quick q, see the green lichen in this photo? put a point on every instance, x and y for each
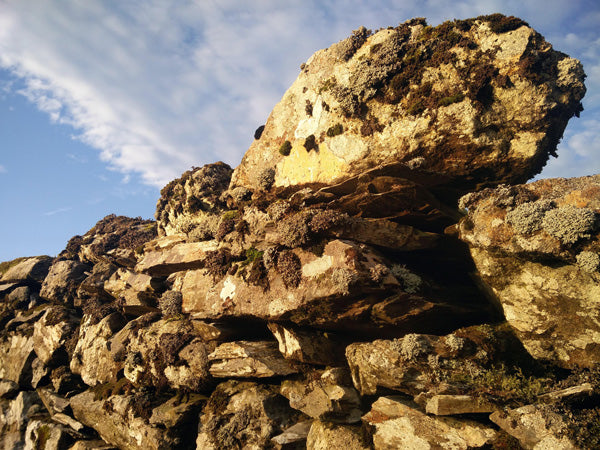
(335, 130)
(457, 98)
(285, 148)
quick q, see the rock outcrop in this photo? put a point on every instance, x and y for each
(329, 291)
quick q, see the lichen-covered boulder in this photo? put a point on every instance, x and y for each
(537, 246)
(243, 414)
(482, 101)
(187, 204)
(114, 238)
(62, 281)
(25, 270)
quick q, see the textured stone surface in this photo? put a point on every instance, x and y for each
(329, 397)
(245, 359)
(16, 356)
(462, 115)
(325, 436)
(62, 281)
(92, 358)
(446, 405)
(547, 296)
(51, 332)
(28, 270)
(398, 425)
(536, 427)
(243, 414)
(118, 425)
(308, 346)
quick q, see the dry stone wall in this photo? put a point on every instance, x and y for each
(332, 290)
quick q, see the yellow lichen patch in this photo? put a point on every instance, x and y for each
(314, 166)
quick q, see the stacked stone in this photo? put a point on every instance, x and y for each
(320, 295)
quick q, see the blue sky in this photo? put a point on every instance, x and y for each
(104, 102)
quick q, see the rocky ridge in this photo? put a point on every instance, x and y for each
(333, 289)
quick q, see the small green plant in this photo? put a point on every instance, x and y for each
(416, 108)
(451, 99)
(335, 130)
(252, 254)
(327, 85)
(285, 148)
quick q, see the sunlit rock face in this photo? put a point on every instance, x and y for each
(537, 247)
(480, 101)
(332, 291)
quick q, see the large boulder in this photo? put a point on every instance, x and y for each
(537, 247)
(481, 101)
(28, 270)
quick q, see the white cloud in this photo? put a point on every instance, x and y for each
(58, 211)
(158, 88)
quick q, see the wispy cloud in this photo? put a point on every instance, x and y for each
(3, 169)
(58, 211)
(158, 88)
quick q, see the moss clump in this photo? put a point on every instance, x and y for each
(588, 261)
(310, 143)
(326, 220)
(290, 268)
(499, 23)
(252, 254)
(217, 263)
(527, 217)
(259, 131)
(226, 224)
(294, 231)
(457, 98)
(569, 223)
(285, 148)
(335, 130)
(170, 303)
(416, 108)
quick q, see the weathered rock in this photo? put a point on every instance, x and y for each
(463, 360)
(197, 192)
(165, 352)
(307, 346)
(446, 405)
(14, 416)
(92, 445)
(294, 435)
(47, 436)
(68, 421)
(103, 240)
(93, 285)
(136, 289)
(119, 424)
(246, 359)
(535, 426)
(92, 358)
(39, 373)
(329, 396)
(54, 403)
(178, 411)
(184, 256)
(243, 414)
(448, 99)
(398, 425)
(50, 334)
(325, 436)
(8, 389)
(527, 242)
(62, 281)
(16, 356)
(25, 270)
(570, 393)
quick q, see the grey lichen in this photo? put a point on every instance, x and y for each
(528, 217)
(378, 273)
(170, 303)
(588, 261)
(569, 223)
(410, 282)
(413, 345)
(343, 278)
(454, 342)
(266, 178)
